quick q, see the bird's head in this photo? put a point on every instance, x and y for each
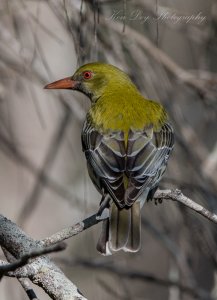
(93, 79)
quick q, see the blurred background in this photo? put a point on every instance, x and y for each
(169, 49)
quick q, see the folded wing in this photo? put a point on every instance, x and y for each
(147, 156)
(141, 163)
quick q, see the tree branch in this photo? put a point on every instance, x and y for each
(41, 271)
(24, 282)
(28, 289)
(73, 230)
(176, 195)
(23, 260)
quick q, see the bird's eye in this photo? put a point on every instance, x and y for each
(87, 74)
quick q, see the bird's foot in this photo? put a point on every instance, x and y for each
(158, 201)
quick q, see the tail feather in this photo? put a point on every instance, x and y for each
(102, 245)
(122, 230)
(134, 238)
(119, 225)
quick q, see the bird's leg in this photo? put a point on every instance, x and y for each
(151, 196)
(103, 196)
(104, 203)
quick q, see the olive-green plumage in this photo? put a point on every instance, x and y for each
(114, 94)
(127, 141)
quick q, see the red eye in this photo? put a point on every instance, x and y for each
(87, 74)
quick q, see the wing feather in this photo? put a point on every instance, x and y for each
(142, 161)
(149, 163)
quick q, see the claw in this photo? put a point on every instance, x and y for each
(158, 201)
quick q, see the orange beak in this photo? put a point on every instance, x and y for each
(66, 83)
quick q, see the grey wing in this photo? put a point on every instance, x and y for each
(105, 156)
(147, 156)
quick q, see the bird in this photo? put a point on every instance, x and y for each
(127, 140)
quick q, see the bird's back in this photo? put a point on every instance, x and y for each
(126, 152)
(123, 109)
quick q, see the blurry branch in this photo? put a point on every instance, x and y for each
(194, 148)
(192, 30)
(27, 288)
(176, 195)
(190, 137)
(13, 153)
(210, 163)
(10, 57)
(111, 291)
(172, 247)
(25, 259)
(14, 62)
(201, 235)
(203, 191)
(41, 270)
(205, 75)
(33, 199)
(137, 275)
(202, 86)
(50, 33)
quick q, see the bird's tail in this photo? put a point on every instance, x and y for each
(121, 231)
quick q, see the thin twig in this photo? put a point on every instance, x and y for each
(24, 282)
(177, 195)
(24, 259)
(73, 230)
(159, 196)
(28, 289)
